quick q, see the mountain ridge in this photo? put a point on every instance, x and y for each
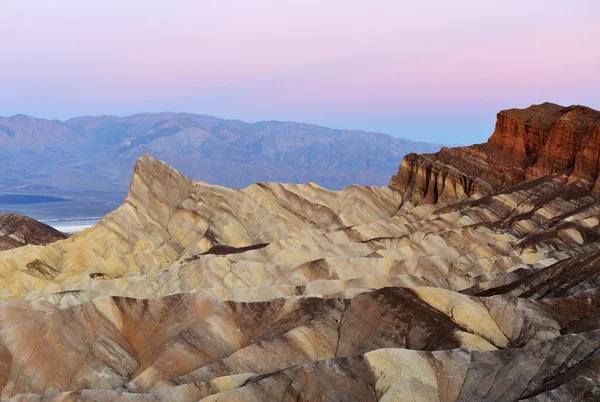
(17, 231)
(90, 159)
(171, 114)
(191, 291)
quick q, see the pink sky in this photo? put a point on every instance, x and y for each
(434, 70)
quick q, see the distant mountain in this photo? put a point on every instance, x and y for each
(91, 158)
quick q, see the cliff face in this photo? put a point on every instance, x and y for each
(527, 144)
(442, 177)
(17, 230)
(549, 139)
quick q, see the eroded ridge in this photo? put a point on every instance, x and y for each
(294, 292)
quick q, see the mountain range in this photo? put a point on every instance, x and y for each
(89, 160)
(474, 275)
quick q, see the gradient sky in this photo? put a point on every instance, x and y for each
(433, 70)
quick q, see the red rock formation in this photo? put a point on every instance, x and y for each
(17, 230)
(527, 143)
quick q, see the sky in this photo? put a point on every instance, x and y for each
(429, 70)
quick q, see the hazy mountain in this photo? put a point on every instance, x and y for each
(91, 158)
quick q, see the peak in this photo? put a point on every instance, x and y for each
(535, 113)
(7, 218)
(156, 172)
(547, 111)
(20, 117)
(524, 132)
(147, 160)
(150, 167)
(157, 188)
(583, 110)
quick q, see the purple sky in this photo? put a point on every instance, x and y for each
(432, 70)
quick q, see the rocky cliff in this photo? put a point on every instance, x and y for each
(17, 231)
(189, 291)
(527, 143)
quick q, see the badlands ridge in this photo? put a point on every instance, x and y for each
(472, 277)
(17, 230)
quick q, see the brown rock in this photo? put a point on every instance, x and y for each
(527, 143)
(17, 230)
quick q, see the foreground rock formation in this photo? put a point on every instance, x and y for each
(17, 231)
(296, 293)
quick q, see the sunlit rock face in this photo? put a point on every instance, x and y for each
(483, 289)
(527, 144)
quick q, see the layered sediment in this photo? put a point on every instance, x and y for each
(17, 230)
(541, 140)
(455, 284)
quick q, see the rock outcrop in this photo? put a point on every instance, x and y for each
(17, 230)
(484, 291)
(527, 144)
